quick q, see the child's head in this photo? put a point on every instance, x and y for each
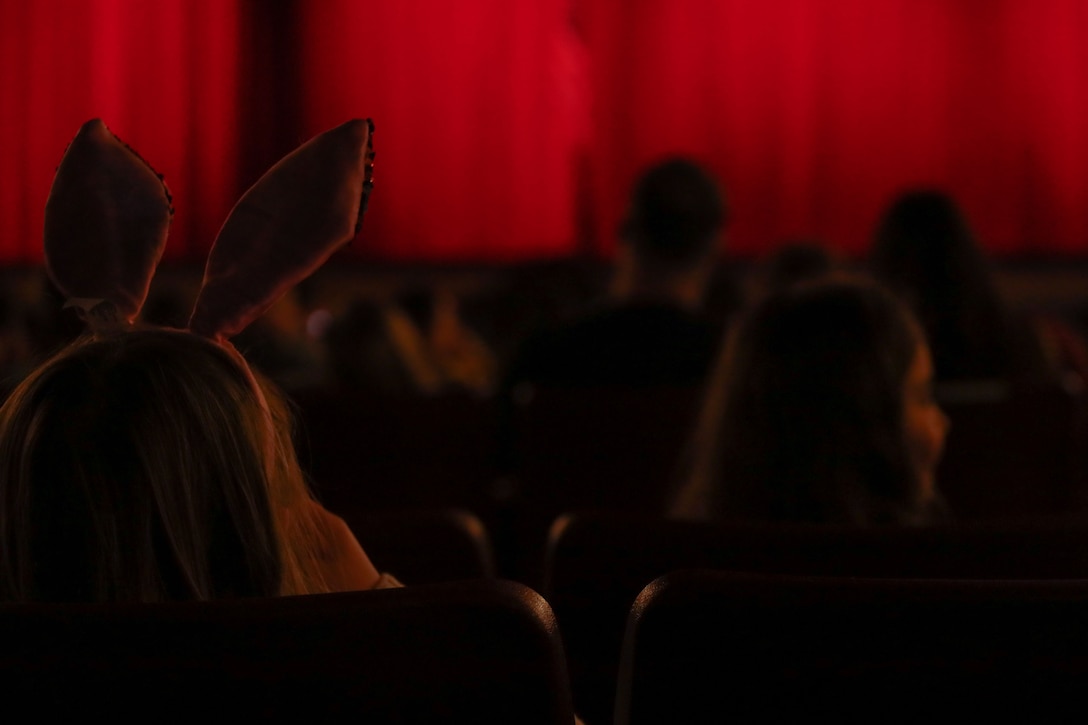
(135, 466)
(821, 410)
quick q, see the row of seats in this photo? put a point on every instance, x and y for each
(1010, 452)
(478, 651)
(697, 646)
(597, 563)
(714, 647)
(1010, 449)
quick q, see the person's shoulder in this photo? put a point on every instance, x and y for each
(630, 344)
(344, 564)
(673, 325)
(636, 320)
(550, 353)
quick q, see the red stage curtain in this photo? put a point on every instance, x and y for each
(510, 130)
(478, 106)
(162, 74)
(815, 113)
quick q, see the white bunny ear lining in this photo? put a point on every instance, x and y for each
(108, 215)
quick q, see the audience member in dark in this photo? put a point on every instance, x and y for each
(925, 252)
(820, 411)
(415, 345)
(147, 464)
(360, 354)
(32, 325)
(792, 263)
(531, 296)
(465, 360)
(649, 330)
(277, 344)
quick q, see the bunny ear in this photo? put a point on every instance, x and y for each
(296, 215)
(106, 222)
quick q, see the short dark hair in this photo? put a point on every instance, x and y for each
(676, 209)
(804, 416)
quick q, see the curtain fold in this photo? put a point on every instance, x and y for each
(477, 106)
(513, 130)
(163, 76)
(815, 113)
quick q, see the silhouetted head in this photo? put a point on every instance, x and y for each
(794, 263)
(676, 214)
(924, 247)
(925, 252)
(819, 411)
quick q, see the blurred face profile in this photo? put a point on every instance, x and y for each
(924, 423)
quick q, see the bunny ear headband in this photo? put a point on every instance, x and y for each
(108, 214)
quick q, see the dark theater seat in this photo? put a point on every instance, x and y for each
(479, 652)
(1014, 451)
(598, 562)
(714, 647)
(397, 452)
(565, 449)
(425, 546)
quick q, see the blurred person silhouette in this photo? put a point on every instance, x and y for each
(278, 344)
(925, 252)
(145, 463)
(361, 355)
(435, 340)
(575, 396)
(792, 263)
(527, 297)
(648, 330)
(32, 326)
(416, 344)
(820, 410)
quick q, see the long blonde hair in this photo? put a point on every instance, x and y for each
(151, 465)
